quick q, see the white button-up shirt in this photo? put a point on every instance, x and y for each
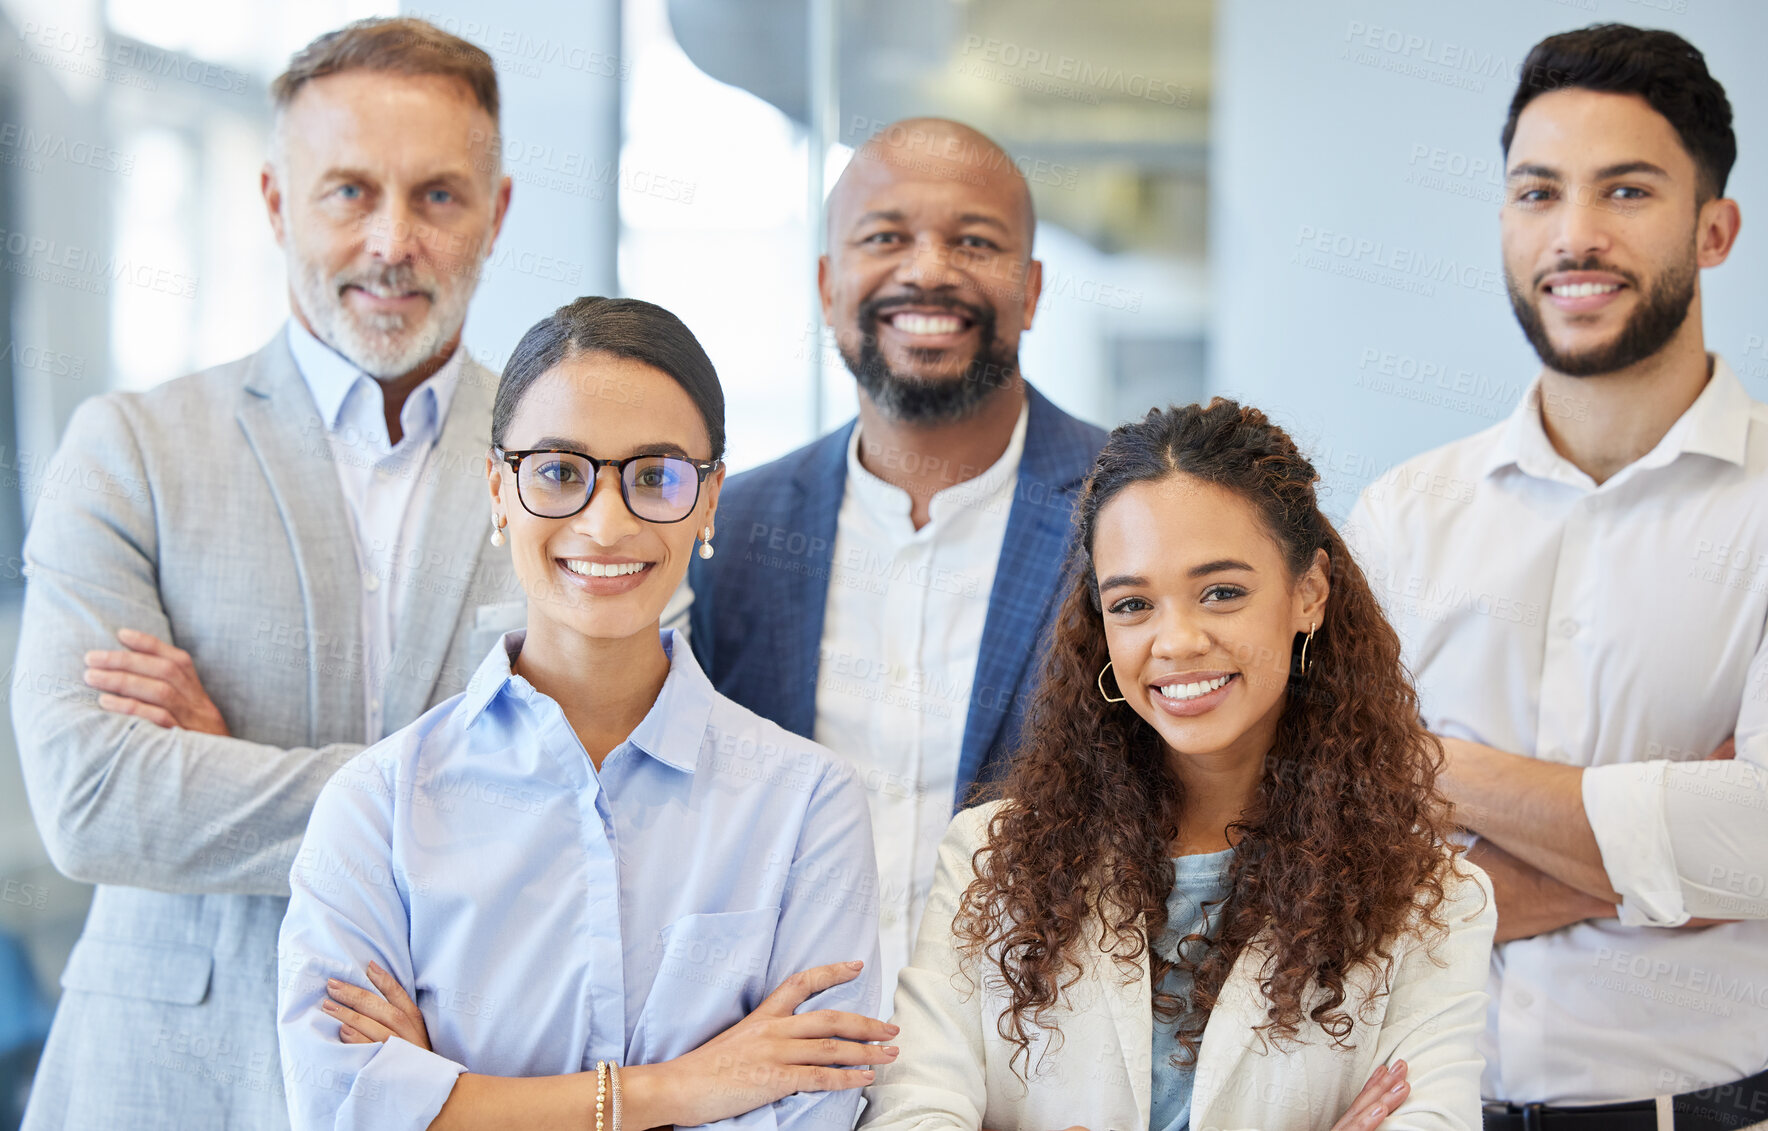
(902, 631)
(1618, 627)
(382, 482)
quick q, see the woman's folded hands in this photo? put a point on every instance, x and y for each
(767, 1056)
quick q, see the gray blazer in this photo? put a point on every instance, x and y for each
(207, 511)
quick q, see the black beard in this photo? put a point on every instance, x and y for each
(1660, 313)
(938, 400)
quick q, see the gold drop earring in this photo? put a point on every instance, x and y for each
(1304, 648)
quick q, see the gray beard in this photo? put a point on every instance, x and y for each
(383, 346)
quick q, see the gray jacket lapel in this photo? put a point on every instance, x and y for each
(283, 427)
(445, 533)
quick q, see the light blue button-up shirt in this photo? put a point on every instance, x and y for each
(550, 916)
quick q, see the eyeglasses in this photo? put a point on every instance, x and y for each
(558, 484)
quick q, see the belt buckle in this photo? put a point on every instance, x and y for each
(1512, 1114)
(1531, 1116)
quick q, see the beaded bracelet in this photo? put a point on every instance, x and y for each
(601, 1091)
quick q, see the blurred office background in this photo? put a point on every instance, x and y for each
(1290, 201)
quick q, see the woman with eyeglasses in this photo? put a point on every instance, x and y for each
(589, 891)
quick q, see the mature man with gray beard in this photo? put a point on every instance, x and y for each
(275, 562)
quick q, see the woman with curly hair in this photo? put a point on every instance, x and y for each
(1215, 890)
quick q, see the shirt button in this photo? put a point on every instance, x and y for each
(1522, 999)
(370, 582)
(1556, 754)
(374, 705)
(1568, 628)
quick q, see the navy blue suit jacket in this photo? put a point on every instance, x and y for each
(757, 617)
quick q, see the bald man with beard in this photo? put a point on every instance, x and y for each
(883, 589)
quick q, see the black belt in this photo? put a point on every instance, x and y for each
(1723, 1107)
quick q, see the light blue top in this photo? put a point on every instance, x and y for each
(549, 916)
(1197, 880)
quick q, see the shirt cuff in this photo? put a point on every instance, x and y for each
(401, 1086)
(1625, 805)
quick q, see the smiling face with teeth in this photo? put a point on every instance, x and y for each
(602, 573)
(1200, 615)
(929, 279)
(1604, 231)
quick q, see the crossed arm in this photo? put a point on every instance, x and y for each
(362, 1058)
(1537, 843)
(767, 1056)
(138, 784)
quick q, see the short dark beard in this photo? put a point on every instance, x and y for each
(938, 400)
(1661, 311)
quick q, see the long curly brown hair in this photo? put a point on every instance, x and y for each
(1342, 846)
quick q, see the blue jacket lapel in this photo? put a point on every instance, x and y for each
(821, 481)
(1059, 452)
(757, 615)
(800, 595)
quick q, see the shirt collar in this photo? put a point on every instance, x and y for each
(1523, 441)
(883, 495)
(672, 731)
(1717, 424)
(330, 377)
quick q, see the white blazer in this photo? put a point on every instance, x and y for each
(953, 1071)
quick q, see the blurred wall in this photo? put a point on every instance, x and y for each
(559, 74)
(1355, 186)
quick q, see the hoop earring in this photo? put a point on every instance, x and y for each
(705, 543)
(1102, 690)
(1303, 666)
(498, 522)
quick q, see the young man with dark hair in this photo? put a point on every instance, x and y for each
(212, 641)
(1587, 621)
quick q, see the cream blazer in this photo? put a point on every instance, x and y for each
(953, 1070)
